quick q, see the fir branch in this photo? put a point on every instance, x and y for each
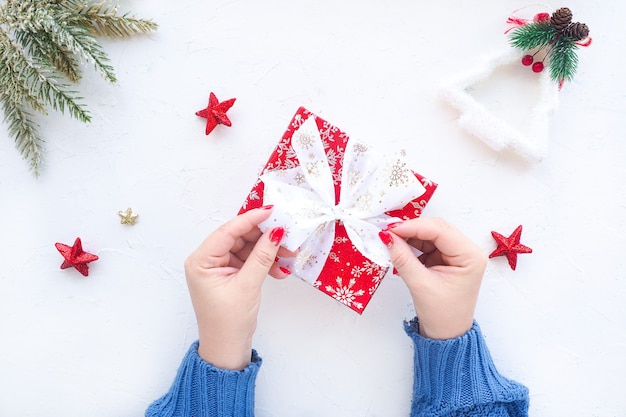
(41, 45)
(62, 27)
(102, 19)
(24, 131)
(14, 88)
(533, 35)
(20, 125)
(40, 80)
(17, 92)
(563, 59)
(64, 30)
(49, 38)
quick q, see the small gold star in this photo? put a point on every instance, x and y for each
(127, 217)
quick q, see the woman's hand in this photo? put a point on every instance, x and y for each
(224, 276)
(444, 281)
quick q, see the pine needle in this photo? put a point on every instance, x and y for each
(41, 45)
(62, 28)
(102, 19)
(563, 59)
(15, 90)
(532, 35)
(24, 131)
(40, 80)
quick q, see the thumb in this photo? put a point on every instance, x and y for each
(257, 266)
(410, 269)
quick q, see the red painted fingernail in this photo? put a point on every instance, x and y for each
(269, 206)
(276, 235)
(394, 224)
(386, 237)
(285, 270)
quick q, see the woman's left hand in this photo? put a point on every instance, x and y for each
(225, 275)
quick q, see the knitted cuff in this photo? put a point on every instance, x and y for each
(204, 390)
(457, 375)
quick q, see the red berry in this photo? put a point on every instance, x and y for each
(538, 67)
(527, 60)
(540, 17)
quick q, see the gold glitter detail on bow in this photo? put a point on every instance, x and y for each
(304, 259)
(360, 148)
(354, 177)
(312, 168)
(127, 217)
(364, 201)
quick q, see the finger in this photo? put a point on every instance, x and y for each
(456, 249)
(222, 240)
(243, 248)
(408, 266)
(286, 253)
(279, 272)
(423, 246)
(261, 259)
(245, 251)
(234, 261)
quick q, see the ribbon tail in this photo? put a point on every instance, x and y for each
(311, 258)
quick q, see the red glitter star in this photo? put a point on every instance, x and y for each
(75, 256)
(509, 246)
(215, 113)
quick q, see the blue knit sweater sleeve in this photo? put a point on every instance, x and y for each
(457, 377)
(203, 390)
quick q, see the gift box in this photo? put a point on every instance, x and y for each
(333, 194)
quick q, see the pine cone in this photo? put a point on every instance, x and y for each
(576, 31)
(561, 18)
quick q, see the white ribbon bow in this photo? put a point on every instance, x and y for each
(304, 200)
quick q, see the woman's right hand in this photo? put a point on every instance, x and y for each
(444, 281)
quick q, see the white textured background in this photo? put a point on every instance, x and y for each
(109, 344)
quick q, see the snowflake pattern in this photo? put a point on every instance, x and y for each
(305, 139)
(345, 294)
(254, 195)
(299, 178)
(335, 161)
(369, 269)
(398, 173)
(354, 176)
(373, 268)
(327, 132)
(364, 200)
(418, 206)
(356, 271)
(359, 148)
